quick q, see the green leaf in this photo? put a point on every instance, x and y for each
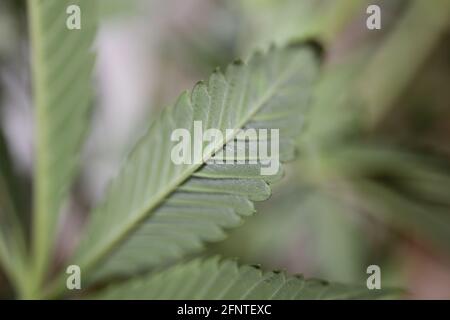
(213, 279)
(282, 21)
(62, 69)
(404, 189)
(156, 211)
(12, 238)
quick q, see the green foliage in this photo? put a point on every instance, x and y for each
(213, 279)
(156, 213)
(62, 68)
(174, 208)
(154, 205)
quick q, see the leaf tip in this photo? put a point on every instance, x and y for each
(311, 43)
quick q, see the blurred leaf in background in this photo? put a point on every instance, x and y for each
(372, 182)
(367, 182)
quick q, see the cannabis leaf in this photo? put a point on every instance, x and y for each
(155, 211)
(214, 279)
(62, 68)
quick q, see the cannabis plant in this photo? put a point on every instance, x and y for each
(144, 239)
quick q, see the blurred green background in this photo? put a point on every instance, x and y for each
(371, 184)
